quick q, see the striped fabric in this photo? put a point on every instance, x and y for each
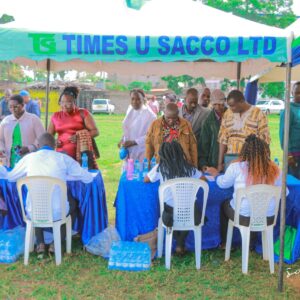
(235, 128)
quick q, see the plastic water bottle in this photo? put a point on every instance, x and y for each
(276, 161)
(84, 161)
(153, 162)
(136, 172)
(145, 167)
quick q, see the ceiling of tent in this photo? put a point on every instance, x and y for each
(156, 18)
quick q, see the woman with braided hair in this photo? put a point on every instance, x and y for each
(173, 164)
(254, 166)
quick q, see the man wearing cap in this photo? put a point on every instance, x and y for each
(193, 112)
(4, 110)
(208, 146)
(31, 106)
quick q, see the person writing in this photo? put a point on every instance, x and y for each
(168, 128)
(47, 162)
(254, 166)
(173, 164)
(135, 125)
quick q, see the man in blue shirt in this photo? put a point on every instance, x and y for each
(31, 106)
(294, 133)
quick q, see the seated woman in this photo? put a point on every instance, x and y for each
(75, 127)
(173, 164)
(254, 166)
(18, 132)
(135, 125)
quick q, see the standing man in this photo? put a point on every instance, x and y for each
(193, 112)
(31, 106)
(4, 109)
(205, 97)
(208, 146)
(238, 122)
(168, 128)
(294, 133)
(153, 104)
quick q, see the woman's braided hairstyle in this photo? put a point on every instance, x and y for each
(173, 162)
(256, 152)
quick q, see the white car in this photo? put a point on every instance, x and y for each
(102, 106)
(270, 106)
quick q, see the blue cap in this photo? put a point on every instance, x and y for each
(123, 153)
(24, 93)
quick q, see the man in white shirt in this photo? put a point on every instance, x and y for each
(47, 162)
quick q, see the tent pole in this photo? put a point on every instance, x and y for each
(238, 75)
(47, 93)
(284, 173)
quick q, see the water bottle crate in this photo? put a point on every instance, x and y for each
(129, 256)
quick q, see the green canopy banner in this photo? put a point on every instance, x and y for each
(109, 48)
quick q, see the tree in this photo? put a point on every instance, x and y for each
(136, 4)
(274, 13)
(146, 86)
(10, 71)
(273, 90)
(173, 82)
(6, 19)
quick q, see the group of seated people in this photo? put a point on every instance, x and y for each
(197, 139)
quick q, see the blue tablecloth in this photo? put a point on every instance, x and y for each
(92, 205)
(137, 210)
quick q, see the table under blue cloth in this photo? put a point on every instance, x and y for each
(92, 206)
(137, 210)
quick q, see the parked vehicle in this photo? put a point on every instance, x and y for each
(102, 106)
(270, 106)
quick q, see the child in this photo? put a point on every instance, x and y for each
(173, 164)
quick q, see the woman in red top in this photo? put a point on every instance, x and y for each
(69, 121)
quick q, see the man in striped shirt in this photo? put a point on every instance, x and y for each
(241, 120)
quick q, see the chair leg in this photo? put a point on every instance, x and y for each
(32, 240)
(245, 233)
(269, 234)
(265, 245)
(160, 238)
(198, 239)
(228, 240)
(57, 243)
(28, 237)
(168, 248)
(69, 235)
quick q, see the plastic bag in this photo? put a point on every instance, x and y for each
(100, 244)
(11, 244)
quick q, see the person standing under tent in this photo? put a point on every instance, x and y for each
(294, 133)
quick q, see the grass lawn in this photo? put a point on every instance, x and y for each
(82, 275)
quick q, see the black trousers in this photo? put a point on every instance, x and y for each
(167, 218)
(227, 212)
(74, 211)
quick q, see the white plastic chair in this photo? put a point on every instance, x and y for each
(259, 197)
(40, 190)
(184, 192)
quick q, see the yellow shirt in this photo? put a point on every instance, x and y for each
(235, 128)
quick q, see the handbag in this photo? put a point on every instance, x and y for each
(95, 147)
(151, 239)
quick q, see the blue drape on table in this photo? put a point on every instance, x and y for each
(137, 211)
(92, 205)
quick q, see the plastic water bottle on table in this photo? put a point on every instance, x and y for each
(153, 162)
(84, 161)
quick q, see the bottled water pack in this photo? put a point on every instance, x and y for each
(129, 256)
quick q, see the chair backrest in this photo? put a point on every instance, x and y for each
(184, 193)
(259, 197)
(40, 190)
